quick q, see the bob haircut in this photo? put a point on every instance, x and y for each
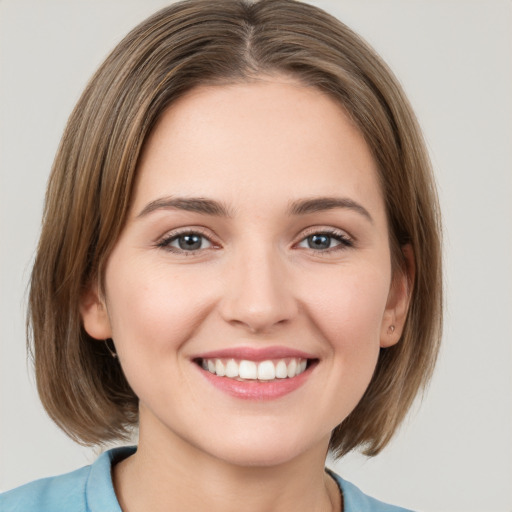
(200, 42)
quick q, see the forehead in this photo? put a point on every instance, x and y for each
(267, 140)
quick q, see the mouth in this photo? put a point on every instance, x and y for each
(256, 373)
(268, 370)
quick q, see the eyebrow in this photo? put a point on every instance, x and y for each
(192, 204)
(318, 204)
(215, 208)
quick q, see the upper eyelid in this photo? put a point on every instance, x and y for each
(206, 233)
(164, 240)
(199, 230)
(325, 230)
(346, 241)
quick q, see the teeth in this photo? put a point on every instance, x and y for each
(219, 368)
(231, 369)
(251, 370)
(281, 370)
(266, 370)
(292, 368)
(248, 370)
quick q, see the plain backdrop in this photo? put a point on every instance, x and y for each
(454, 453)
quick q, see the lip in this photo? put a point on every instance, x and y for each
(255, 354)
(252, 389)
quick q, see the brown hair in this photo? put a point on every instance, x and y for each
(89, 191)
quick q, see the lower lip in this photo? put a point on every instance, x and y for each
(257, 390)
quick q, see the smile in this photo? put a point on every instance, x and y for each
(256, 373)
(267, 370)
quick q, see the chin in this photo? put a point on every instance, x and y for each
(267, 449)
(263, 458)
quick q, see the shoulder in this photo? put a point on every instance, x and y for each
(355, 500)
(88, 489)
(64, 492)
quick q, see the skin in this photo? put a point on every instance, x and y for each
(255, 282)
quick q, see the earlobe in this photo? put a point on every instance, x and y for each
(94, 314)
(398, 300)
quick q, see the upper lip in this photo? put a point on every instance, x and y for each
(255, 354)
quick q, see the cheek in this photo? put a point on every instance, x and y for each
(153, 306)
(348, 310)
(154, 310)
(349, 319)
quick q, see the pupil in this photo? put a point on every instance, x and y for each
(189, 242)
(319, 241)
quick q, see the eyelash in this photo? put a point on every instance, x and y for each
(165, 242)
(345, 241)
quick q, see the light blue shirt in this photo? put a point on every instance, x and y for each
(90, 489)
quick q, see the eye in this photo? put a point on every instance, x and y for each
(325, 241)
(185, 242)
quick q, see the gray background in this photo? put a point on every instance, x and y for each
(454, 453)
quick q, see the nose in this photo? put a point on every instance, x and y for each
(258, 293)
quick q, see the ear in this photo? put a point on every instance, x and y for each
(399, 298)
(94, 314)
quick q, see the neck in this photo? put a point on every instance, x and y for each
(167, 473)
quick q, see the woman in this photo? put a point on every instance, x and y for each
(240, 257)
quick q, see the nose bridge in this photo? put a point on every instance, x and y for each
(258, 294)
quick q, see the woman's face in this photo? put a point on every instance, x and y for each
(256, 244)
